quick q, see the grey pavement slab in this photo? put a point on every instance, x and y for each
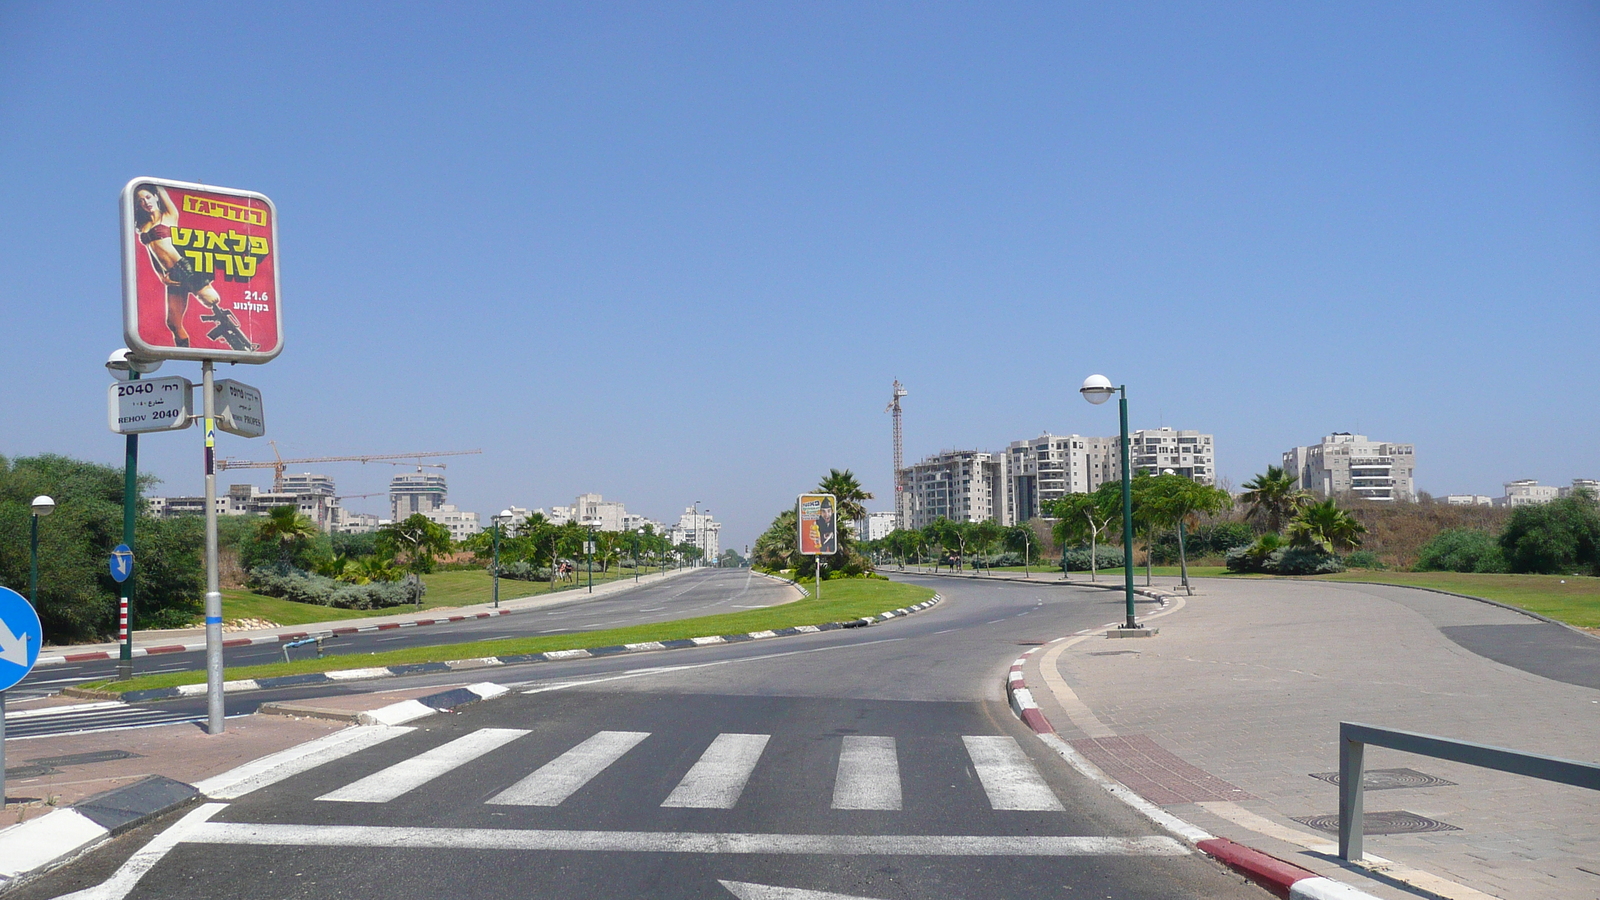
(1249, 680)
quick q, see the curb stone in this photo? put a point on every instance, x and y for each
(41, 844)
(344, 675)
(1282, 878)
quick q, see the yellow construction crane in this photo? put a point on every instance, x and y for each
(279, 464)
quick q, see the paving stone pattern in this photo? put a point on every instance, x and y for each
(1250, 681)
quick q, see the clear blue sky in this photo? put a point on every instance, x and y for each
(678, 252)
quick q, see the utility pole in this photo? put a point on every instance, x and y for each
(899, 459)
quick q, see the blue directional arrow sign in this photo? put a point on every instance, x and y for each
(121, 563)
(20, 637)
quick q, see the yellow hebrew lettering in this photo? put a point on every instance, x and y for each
(258, 246)
(216, 240)
(226, 259)
(181, 236)
(196, 260)
(239, 241)
(246, 265)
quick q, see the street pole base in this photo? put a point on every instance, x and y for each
(124, 669)
(1138, 631)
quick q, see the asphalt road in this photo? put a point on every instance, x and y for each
(700, 593)
(878, 763)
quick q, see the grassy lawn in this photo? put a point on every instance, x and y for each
(844, 599)
(1576, 602)
(445, 589)
(1194, 571)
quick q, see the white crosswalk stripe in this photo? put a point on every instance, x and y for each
(563, 776)
(719, 777)
(1007, 775)
(417, 771)
(869, 774)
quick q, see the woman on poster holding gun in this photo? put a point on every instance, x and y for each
(154, 216)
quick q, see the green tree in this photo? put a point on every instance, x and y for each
(1081, 517)
(1272, 498)
(1020, 538)
(1461, 550)
(1556, 538)
(984, 535)
(289, 533)
(417, 539)
(776, 549)
(1173, 500)
(847, 492)
(1326, 527)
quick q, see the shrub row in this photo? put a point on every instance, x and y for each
(304, 587)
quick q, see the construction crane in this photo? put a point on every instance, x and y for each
(899, 461)
(278, 464)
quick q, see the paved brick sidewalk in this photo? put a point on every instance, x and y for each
(1227, 714)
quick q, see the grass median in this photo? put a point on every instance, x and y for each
(842, 601)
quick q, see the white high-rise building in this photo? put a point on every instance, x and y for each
(415, 492)
(874, 527)
(698, 529)
(1346, 463)
(593, 510)
(1050, 466)
(960, 485)
(462, 524)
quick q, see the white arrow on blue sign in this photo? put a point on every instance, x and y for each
(121, 563)
(20, 637)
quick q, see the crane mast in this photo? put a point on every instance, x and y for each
(899, 460)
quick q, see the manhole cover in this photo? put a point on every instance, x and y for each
(84, 759)
(1393, 822)
(1115, 653)
(29, 772)
(1389, 779)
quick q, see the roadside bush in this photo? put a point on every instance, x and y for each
(1363, 559)
(1268, 555)
(1076, 559)
(1461, 550)
(1205, 541)
(317, 590)
(1556, 538)
(522, 570)
(999, 560)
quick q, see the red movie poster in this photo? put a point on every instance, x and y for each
(200, 272)
(819, 528)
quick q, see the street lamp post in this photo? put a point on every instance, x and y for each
(42, 506)
(1097, 389)
(588, 552)
(504, 515)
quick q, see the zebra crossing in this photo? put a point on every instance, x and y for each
(85, 718)
(867, 771)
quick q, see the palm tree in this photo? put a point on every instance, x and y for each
(1327, 527)
(847, 491)
(1273, 497)
(286, 527)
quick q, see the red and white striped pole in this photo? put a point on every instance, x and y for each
(122, 619)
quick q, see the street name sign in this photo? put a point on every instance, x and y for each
(121, 563)
(239, 409)
(150, 404)
(20, 637)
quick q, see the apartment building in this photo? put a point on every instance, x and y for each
(698, 529)
(875, 526)
(1049, 466)
(960, 485)
(462, 524)
(415, 492)
(1346, 463)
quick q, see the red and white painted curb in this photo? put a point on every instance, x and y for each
(277, 638)
(1285, 879)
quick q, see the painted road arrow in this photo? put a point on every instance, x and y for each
(744, 890)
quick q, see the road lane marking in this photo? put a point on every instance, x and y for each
(561, 777)
(410, 774)
(479, 839)
(869, 774)
(269, 770)
(1008, 776)
(125, 878)
(668, 670)
(719, 777)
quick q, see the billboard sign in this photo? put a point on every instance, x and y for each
(819, 525)
(200, 272)
(150, 404)
(239, 408)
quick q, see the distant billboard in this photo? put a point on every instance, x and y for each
(200, 272)
(819, 525)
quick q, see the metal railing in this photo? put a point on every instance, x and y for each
(1353, 741)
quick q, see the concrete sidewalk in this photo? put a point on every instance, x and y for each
(177, 640)
(1229, 716)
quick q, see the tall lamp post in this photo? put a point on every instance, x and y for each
(1097, 389)
(505, 515)
(42, 506)
(588, 550)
